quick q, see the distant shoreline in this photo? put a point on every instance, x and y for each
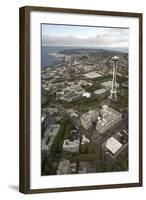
(57, 55)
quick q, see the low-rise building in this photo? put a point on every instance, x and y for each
(50, 110)
(89, 67)
(71, 96)
(49, 136)
(44, 122)
(86, 94)
(108, 84)
(100, 91)
(64, 167)
(113, 145)
(92, 75)
(72, 143)
(70, 93)
(71, 146)
(84, 140)
(48, 139)
(84, 82)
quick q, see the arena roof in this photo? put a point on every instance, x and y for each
(92, 75)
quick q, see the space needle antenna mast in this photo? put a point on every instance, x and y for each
(113, 92)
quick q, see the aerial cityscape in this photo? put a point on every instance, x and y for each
(84, 99)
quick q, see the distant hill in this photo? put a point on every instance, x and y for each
(88, 51)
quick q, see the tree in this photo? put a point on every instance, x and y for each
(87, 157)
(108, 167)
(64, 132)
(121, 79)
(99, 168)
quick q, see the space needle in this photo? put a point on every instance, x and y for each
(113, 92)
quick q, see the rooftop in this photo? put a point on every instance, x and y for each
(43, 116)
(108, 115)
(49, 136)
(84, 140)
(90, 114)
(100, 91)
(92, 75)
(71, 144)
(63, 167)
(86, 94)
(113, 145)
(115, 58)
(71, 95)
(50, 109)
(109, 84)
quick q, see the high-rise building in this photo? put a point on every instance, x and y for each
(88, 118)
(109, 117)
(113, 92)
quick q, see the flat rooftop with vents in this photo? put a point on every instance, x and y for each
(113, 145)
(109, 117)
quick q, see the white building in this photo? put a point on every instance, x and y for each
(71, 146)
(109, 117)
(92, 75)
(71, 96)
(73, 87)
(86, 94)
(88, 118)
(84, 140)
(113, 145)
(100, 91)
(71, 93)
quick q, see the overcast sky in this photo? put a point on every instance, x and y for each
(63, 35)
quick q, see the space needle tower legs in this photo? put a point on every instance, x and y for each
(113, 92)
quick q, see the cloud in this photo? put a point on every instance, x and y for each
(110, 38)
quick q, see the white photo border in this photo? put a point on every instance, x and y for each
(132, 176)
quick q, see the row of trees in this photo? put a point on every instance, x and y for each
(86, 103)
(113, 167)
(64, 132)
(88, 152)
(78, 157)
(49, 167)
